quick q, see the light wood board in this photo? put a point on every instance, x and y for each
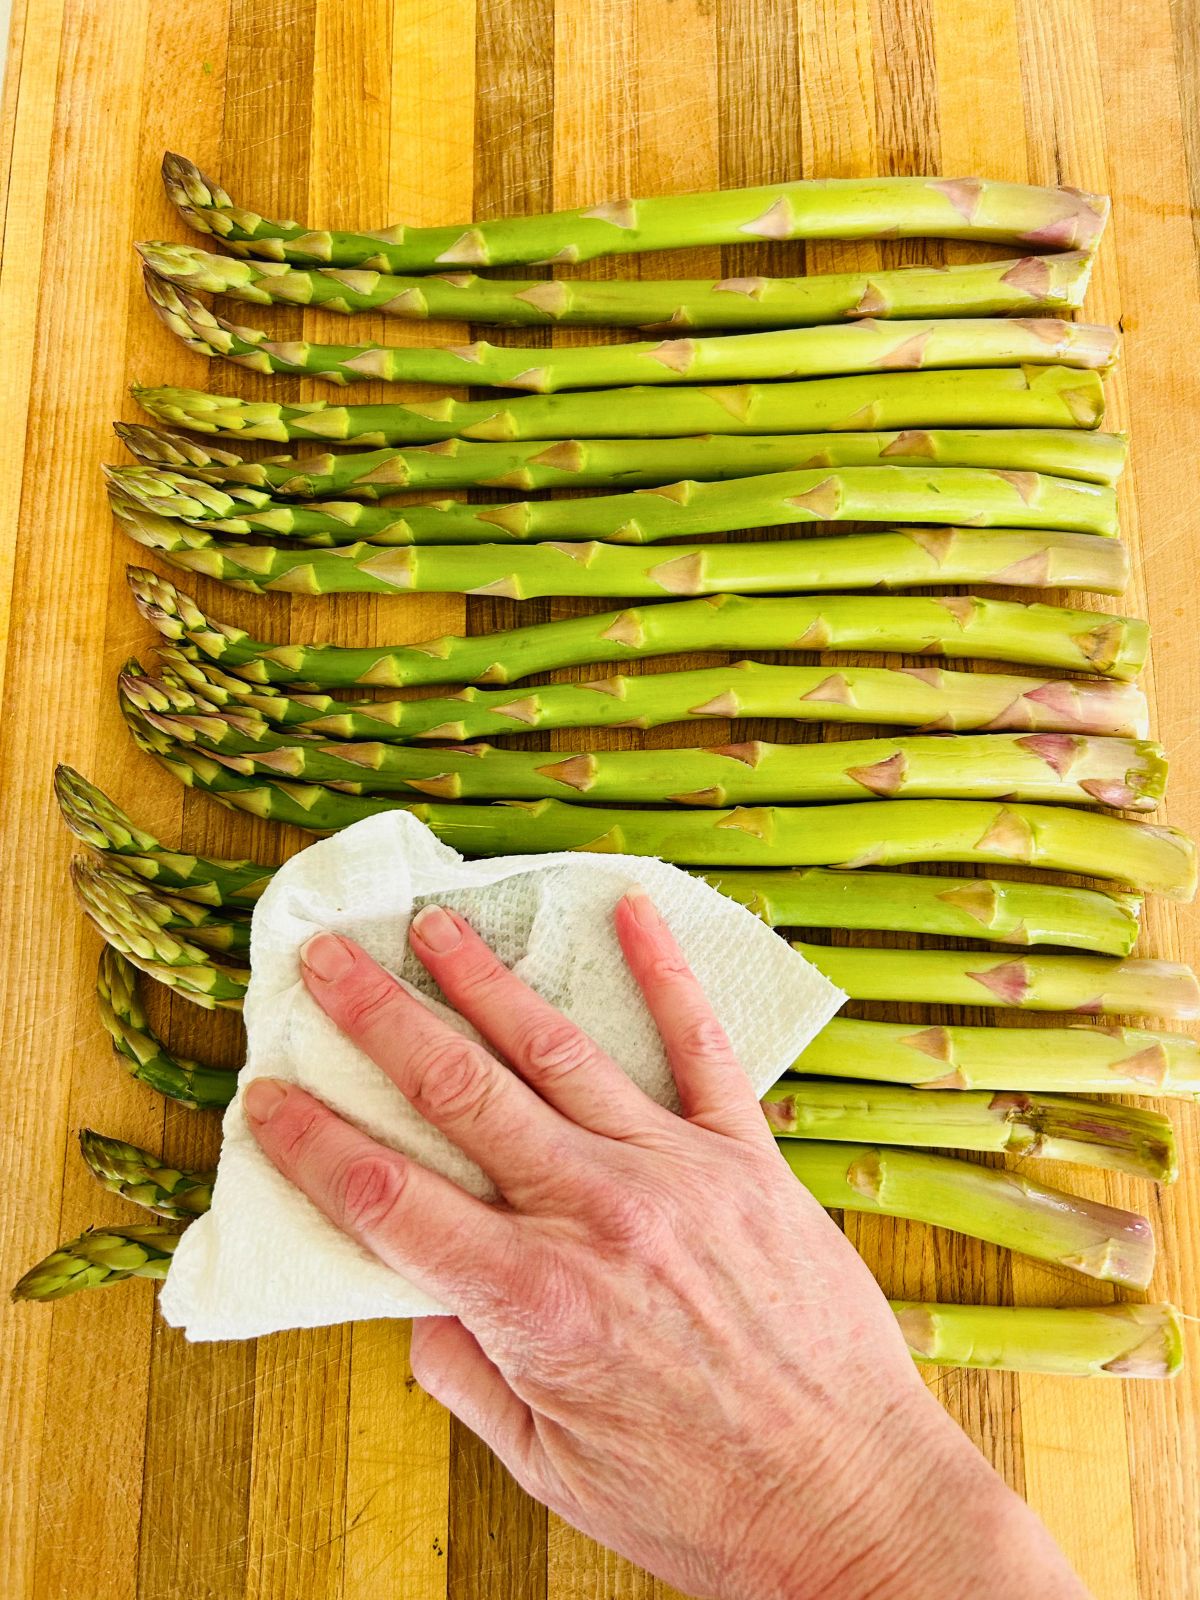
(137, 1468)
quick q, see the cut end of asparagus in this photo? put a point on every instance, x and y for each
(1128, 1341)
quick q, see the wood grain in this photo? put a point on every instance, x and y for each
(142, 1468)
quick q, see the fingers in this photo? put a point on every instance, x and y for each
(449, 1364)
(551, 1053)
(713, 1089)
(520, 1142)
(445, 1241)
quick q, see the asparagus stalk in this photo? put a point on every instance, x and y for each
(1074, 1060)
(1002, 1208)
(981, 496)
(840, 208)
(137, 1175)
(1017, 913)
(1106, 921)
(994, 397)
(1123, 1340)
(1033, 284)
(1139, 854)
(829, 351)
(126, 920)
(142, 1053)
(194, 923)
(1064, 767)
(1096, 985)
(895, 696)
(966, 626)
(628, 463)
(97, 1258)
(1054, 1127)
(896, 559)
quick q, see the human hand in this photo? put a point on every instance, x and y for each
(656, 1327)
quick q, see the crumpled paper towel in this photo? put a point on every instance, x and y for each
(264, 1258)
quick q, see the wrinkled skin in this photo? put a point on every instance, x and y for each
(656, 1327)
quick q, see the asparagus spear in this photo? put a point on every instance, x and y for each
(93, 818)
(1003, 1208)
(1057, 1128)
(1123, 1340)
(1074, 1060)
(142, 1053)
(839, 208)
(963, 908)
(1017, 913)
(137, 1175)
(894, 696)
(1034, 285)
(628, 463)
(126, 921)
(895, 559)
(832, 351)
(965, 626)
(1064, 767)
(1096, 985)
(97, 1258)
(1139, 854)
(982, 497)
(175, 915)
(994, 397)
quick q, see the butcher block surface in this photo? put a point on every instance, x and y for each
(308, 1466)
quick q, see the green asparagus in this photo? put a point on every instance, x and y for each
(142, 1053)
(1003, 1208)
(1096, 985)
(1106, 921)
(830, 351)
(1013, 913)
(1122, 1341)
(1056, 1128)
(136, 1175)
(984, 498)
(1074, 1060)
(97, 1258)
(966, 626)
(1062, 767)
(628, 463)
(896, 559)
(1141, 855)
(837, 208)
(1033, 284)
(993, 397)
(126, 921)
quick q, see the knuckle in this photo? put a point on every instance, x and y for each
(298, 1133)
(369, 1003)
(451, 1082)
(703, 1036)
(555, 1050)
(369, 1189)
(667, 967)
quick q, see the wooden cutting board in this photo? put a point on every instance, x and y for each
(309, 1465)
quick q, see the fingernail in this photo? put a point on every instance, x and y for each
(436, 929)
(642, 908)
(327, 956)
(263, 1099)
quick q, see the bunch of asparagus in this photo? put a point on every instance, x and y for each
(955, 410)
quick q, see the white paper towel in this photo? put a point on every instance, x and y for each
(264, 1258)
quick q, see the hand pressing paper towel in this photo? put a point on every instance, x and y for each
(264, 1258)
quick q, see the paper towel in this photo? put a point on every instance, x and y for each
(264, 1258)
